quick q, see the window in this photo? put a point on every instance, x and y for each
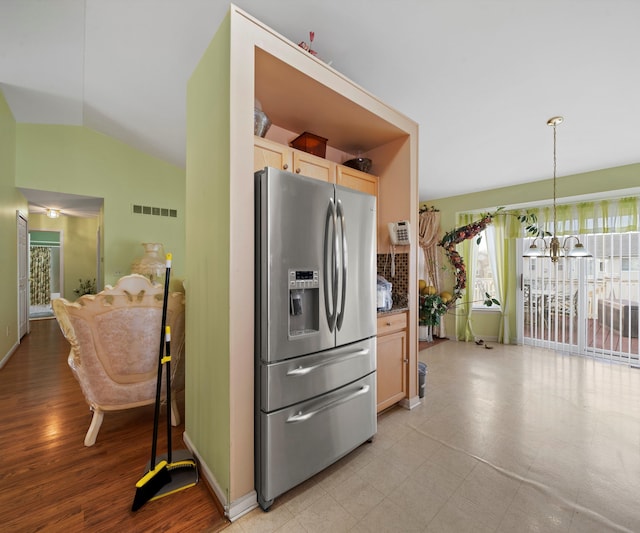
(630, 264)
(483, 279)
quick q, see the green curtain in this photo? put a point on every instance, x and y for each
(598, 216)
(40, 277)
(625, 215)
(506, 229)
(464, 327)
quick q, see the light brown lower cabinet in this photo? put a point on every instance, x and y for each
(392, 360)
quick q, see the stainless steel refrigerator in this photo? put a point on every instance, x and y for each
(315, 327)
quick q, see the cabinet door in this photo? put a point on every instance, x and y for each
(391, 375)
(355, 179)
(313, 166)
(270, 154)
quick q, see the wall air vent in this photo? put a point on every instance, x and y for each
(154, 211)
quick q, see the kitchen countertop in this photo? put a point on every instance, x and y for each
(394, 310)
(400, 305)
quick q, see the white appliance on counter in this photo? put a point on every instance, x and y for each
(384, 297)
(315, 324)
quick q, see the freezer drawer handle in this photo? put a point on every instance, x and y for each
(304, 370)
(302, 417)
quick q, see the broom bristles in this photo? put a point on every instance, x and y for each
(150, 484)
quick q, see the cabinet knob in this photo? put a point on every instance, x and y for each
(388, 323)
(297, 171)
(406, 360)
(285, 166)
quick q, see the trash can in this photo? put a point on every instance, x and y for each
(422, 378)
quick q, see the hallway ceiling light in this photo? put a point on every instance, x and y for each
(53, 213)
(554, 250)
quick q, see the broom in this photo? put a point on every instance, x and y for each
(158, 474)
(182, 467)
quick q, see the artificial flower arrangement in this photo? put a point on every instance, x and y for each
(306, 46)
(431, 305)
(431, 308)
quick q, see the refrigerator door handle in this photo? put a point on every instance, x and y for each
(304, 370)
(303, 417)
(330, 246)
(343, 278)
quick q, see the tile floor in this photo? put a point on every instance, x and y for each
(512, 439)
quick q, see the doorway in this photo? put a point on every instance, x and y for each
(586, 306)
(23, 274)
(45, 271)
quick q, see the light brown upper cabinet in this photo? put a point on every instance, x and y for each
(313, 166)
(355, 179)
(271, 154)
(268, 153)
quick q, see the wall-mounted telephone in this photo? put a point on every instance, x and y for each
(400, 233)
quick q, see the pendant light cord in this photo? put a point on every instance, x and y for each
(555, 249)
(555, 220)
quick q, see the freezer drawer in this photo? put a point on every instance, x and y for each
(295, 380)
(300, 441)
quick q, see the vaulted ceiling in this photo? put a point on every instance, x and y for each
(481, 77)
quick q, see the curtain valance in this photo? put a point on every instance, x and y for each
(598, 216)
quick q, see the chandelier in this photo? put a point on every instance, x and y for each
(554, 249)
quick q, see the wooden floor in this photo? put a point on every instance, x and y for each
(49, 481)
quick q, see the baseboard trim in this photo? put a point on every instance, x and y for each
(232, 510)
(9, 354)
(410, 403)
(243, 505)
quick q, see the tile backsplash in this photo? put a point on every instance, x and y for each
(400, 282)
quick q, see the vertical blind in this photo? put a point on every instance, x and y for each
(588, 306)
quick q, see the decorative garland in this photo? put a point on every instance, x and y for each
(455, 237)
(458, 235)
(432, 306)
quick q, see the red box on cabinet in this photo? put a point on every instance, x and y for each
(310, 143)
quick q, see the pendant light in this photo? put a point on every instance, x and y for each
(554, 250)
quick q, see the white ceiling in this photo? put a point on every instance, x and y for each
(73, 205)
(481, 77)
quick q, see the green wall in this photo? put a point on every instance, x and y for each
(207, 398)
(11, 201)
(79, 241)
(77, 160)
(597, 182)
